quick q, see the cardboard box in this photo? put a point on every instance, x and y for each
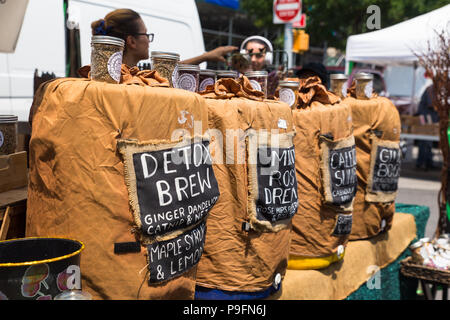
(13, 171)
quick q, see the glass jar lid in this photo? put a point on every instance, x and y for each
(288, 83)
(363, 76)
(108, 40)
(416, 245)
(165, 55)
(256, 74)
(338, 76)
(8, 118)
(188, 67)
(226, 73)
(207, 72)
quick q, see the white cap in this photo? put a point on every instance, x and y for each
(340, 251)
(277, 280)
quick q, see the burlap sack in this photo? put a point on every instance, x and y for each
(314, 232)
(376, 122)
(76, 181)
(235, 258)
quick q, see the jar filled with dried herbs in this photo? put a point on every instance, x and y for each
(288, 92)
(339, 84)
(364, 85)
(207, 77)
(8, 134)
(258, 80)
(188, 77)
(106, 58)
(166, 63)
(221, 74)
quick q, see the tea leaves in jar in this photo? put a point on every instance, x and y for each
(166, 64)
(364, 86)
(8, 134)
(258, 80)
(106, 58)
(339, 85)
(188, 77)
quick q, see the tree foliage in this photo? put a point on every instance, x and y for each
(333, 21)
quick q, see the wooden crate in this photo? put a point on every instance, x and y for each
(431, 129)
(13, 171)
(13, 221)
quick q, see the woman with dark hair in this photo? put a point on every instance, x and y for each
(128, 25)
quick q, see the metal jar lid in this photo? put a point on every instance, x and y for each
(255, 74)
(338, 76)
(165, 55)
(8, 118)
(188, 67)
(226, 73)
(108, 40)
(207, 72)
(416, 245)
(363, 76)
(288, 83)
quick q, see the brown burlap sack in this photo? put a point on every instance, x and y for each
(77, 187)
(376, 124)
(240, 254)
(320, 226)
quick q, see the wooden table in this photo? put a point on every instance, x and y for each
(13, 207)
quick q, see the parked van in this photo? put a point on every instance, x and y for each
(42, 41)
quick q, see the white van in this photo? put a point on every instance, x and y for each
(42, 44)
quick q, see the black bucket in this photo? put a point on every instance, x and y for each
(39, 268)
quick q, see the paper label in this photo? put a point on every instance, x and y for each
(115, 65)
(187, 81)
(344, 89)
(2, 139)
(287, 96)
(282, 124)
(386, 170)
(255, 85)
(206, 82)
(175, 77)
(343, 225)
(368, 90)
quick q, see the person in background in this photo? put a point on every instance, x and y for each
(128, 25)
(427, 114)
(260, 52)
(313, 69)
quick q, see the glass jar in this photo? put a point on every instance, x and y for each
(221, 74)
(364, 85)
(339, 84)
(207, 77)
(188, 77)
(166, 63)
(258, 80)
(106, 58)
(288, 92)
(8, 134)
(416, 252)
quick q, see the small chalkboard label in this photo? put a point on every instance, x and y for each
(175, 187)
(170, 258)
(277, 184)
(386, 170)
(342, 167)
(343, 225)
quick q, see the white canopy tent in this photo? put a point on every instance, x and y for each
(11, 18)
(398, 44)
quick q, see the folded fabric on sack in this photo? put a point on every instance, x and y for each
(326, 175)
(377, 129)
(133, 76)
(77, 187)
(247, 246)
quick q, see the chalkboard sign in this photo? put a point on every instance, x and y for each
(171, 188)
(343, 179)
(343, 225)
(386, 169)
(170, 258)
(277, 184)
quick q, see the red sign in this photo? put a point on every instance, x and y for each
(301, 23)
(286, 10)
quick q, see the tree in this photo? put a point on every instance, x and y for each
(333, 21)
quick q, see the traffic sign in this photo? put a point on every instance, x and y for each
(287, 11)
(301, 24)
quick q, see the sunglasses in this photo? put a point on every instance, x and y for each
(150, 36)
